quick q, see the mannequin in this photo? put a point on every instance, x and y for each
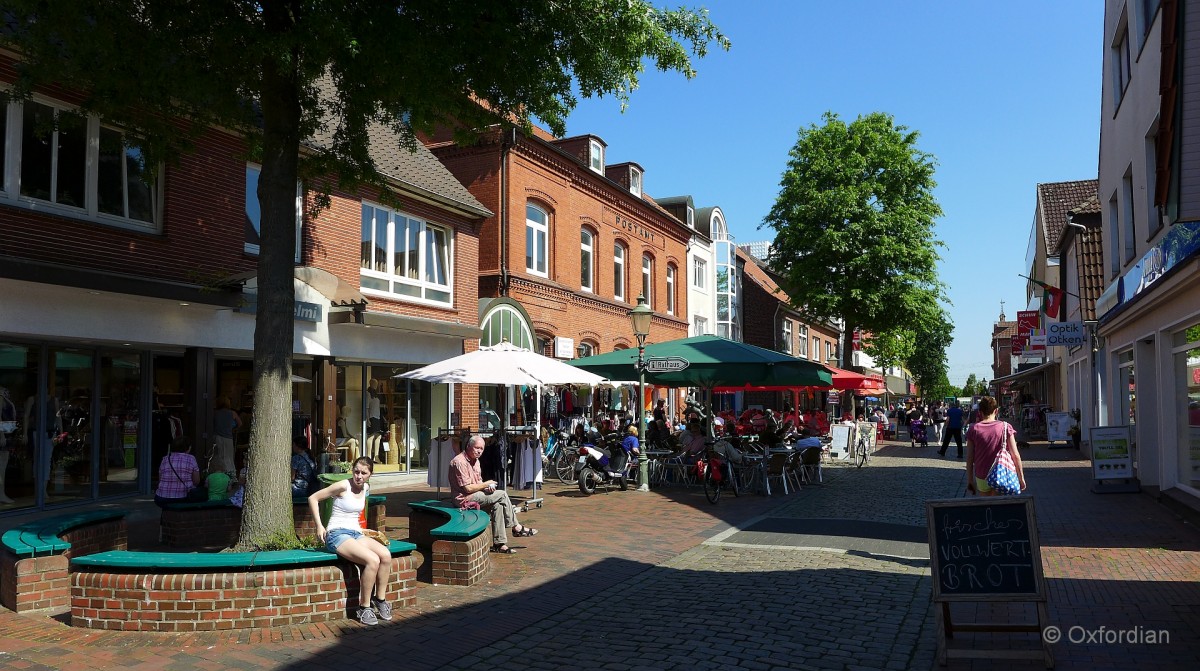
(8, 429)
(345, 437)
(374, 421)
(41, 447)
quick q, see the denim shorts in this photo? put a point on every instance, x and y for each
(335, 537)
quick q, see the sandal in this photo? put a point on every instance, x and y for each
(525, 532)
(503, 549)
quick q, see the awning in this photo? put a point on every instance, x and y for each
(405, 323)
(848, 379)
(1028, 372)
(339, 293)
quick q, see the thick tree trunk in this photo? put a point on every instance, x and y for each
(267, 515)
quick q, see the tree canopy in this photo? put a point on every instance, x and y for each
(281, 71)
(853, 223)
(933, 335)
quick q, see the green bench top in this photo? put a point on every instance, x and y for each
(461, 524)
(373, 499)
(184, 561)
(40, 538)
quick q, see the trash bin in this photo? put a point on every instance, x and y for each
(327, 479)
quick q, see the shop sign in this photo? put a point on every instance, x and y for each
(1065, 334)
(1179, 244)
(666, 364)
(1112, 452)
(564, 348)
(303, 312)
(1028, 324)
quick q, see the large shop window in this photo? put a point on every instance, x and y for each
(254, 212)
(59, 161)
(405, 257)
(1187, 406)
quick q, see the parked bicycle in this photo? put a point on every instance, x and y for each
(562, 451)
(860, 451)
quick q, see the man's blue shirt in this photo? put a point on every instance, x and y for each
(954, 417)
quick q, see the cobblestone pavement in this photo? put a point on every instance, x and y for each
(666, 580)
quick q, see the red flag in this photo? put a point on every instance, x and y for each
(1052, 298)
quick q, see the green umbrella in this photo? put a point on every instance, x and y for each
(711, 362)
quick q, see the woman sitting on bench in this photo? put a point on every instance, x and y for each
(344, 536)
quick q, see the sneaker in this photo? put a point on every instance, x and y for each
(383, 608)
(367, 616)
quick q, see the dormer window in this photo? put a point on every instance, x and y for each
(635, 181)
(596, 156)
(691, 217)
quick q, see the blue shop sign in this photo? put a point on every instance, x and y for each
(1178, 245)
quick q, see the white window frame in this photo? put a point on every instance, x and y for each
(648, 280)
(699, 273)
(802, 343)
(671, 289)
(419, 283)
(534, 229)
(691, 217)
(830, 353)
(635, 181)
(253, 248)
(596, 156)
(587, 270)
(10, 181)
(700, 324)
(619, 254)
(787, 336)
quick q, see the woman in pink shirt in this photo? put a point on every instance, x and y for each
(985, 439)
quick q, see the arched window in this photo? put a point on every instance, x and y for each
(586, 255)
(504, 322)
(585, 349)
(619, 272)
(648, 279)
(537, 232)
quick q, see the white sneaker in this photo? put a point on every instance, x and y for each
(367, 616)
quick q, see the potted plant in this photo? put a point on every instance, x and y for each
(1074, 430)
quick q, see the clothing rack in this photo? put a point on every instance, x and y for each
(463, 433)
(530, 432)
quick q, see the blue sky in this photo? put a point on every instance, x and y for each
(1005, 94)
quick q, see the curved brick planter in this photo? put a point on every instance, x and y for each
(219, 527)
(38, 583)
(228, 599)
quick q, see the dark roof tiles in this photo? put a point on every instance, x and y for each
(1054, 200)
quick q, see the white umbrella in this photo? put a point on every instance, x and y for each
(504, 364)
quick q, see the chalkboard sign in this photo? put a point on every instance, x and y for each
(985, 549)
(842, 436)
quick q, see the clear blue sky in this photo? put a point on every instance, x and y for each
(1006, 95)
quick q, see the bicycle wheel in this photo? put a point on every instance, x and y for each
(712, 487)
(733, 481)
(860, 453)
(564, 464)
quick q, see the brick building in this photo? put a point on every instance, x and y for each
(129, 293)
(572, 244)
(773, 324)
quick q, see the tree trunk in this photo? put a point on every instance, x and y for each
(267, 515)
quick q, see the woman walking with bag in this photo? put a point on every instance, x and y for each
(993, 462)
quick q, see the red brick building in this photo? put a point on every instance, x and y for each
(129, 293)
(771, 323)
(572, 244)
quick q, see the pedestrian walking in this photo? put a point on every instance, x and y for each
(939, 421)
(954, 422)
(985, 440)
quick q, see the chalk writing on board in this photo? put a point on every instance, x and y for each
(984, 548)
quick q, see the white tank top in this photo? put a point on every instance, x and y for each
(346, 509)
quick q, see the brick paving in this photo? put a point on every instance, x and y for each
(665, 580)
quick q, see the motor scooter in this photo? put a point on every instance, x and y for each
(604, 464)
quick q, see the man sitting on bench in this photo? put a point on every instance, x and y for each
(467, 484)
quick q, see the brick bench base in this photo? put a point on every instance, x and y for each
(40, 583)
(225, 600)
(219, 527)
(452, 562)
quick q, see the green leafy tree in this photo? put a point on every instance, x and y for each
(854, 225)
(283, 71)
(933, 335)
(971, 387)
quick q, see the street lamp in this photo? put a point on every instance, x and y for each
(639, 318)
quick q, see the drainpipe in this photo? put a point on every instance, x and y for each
(508, 138)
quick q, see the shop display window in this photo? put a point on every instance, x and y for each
(20, 423)
(1187, 406)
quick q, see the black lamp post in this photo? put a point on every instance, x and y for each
(639, 318)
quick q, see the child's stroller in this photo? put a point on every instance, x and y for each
(916, 433)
